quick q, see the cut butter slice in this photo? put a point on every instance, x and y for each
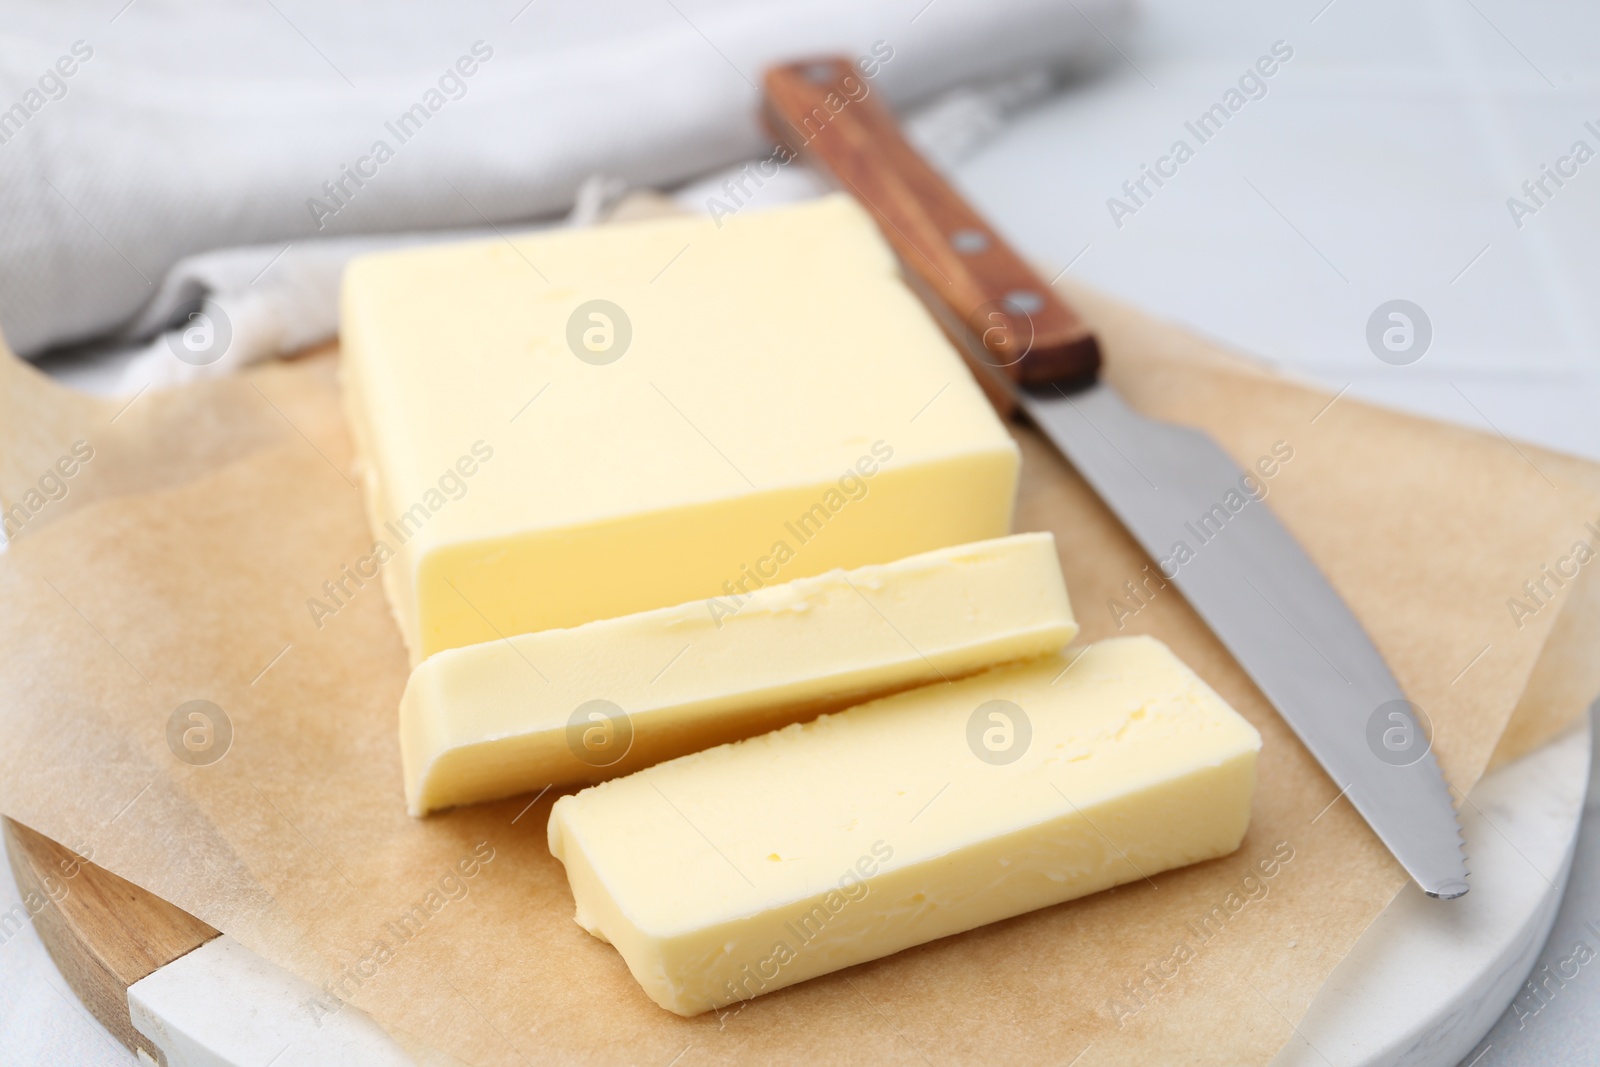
(612, 696)
(581, 424)
(752, 866)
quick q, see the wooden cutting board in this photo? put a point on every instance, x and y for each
(105, 933)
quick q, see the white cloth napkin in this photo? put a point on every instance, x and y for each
(201, 152)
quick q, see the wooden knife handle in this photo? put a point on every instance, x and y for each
(823, 110)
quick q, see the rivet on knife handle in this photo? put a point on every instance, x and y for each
(824, 111)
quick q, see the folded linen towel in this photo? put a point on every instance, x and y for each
(181, 129)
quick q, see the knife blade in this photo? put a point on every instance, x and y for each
(1174, 489)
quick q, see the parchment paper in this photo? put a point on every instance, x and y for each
(177, 565)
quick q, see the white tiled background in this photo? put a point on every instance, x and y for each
(1390, 142)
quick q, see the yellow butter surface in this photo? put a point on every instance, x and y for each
(582, 424)
(609, 697)
(749, 867)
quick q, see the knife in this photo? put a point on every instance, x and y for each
(1244, 573)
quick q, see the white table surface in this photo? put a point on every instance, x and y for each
(1376, 167)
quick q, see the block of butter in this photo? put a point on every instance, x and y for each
(752, 866)
(612, 696)
(585, 423)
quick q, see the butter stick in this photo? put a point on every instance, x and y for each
(749, 867)
(582, 424)
(610, 697)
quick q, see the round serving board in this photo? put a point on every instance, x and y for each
(1429, 978)
(1419, 989)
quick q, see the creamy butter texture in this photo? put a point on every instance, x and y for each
(500, 718)
(671, 408)
(749, 867)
